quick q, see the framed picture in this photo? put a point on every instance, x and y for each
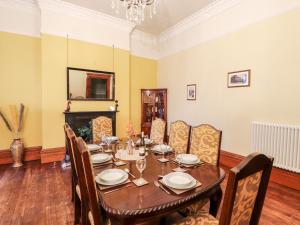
(191, 92)
(239, 79)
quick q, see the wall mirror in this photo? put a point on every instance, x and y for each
(92, 85)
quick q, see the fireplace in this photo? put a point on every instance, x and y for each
(81, 121)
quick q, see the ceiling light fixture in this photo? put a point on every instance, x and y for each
(135, 9)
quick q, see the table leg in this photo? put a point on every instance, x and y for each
(115, 221)
(215, 201)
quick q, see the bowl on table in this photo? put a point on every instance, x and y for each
(189, 159)
(101, 158)
(179, 180)
(111, 177)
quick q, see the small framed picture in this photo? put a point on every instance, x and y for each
(191, 92)
(239, 79)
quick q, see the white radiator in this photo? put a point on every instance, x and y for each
(280, 141)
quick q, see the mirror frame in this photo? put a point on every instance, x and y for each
(93, 71)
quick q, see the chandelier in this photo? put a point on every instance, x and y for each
(135, 9)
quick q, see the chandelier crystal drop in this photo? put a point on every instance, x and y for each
(135, 9)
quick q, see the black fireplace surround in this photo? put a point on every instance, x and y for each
(81, 119)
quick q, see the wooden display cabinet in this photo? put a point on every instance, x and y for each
(154, 105)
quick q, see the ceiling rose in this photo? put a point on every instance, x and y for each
(135, 9)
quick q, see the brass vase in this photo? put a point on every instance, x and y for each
(17, 149)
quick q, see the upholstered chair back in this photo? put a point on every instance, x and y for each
(205, 143)
(179, 136)
(246, 190)
(101, 125)
(157, 133)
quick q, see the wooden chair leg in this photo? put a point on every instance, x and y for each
(73, 189)
(77, 209)
(84, 214)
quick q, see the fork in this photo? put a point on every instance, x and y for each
(161, 187)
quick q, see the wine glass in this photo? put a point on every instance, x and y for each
(162, 149)
(141, 166)
(108, 142)
(179, 169)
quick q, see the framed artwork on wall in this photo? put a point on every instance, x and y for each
(239, 79)
(191, 92)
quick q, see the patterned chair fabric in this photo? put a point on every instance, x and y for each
(158, 131)
(205, 143)
(179, 136)
(201, 218)
(244, 201)
(196, 207)
(250, 179)
(245, 197)
(100, 125)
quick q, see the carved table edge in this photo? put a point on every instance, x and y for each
(170, 205)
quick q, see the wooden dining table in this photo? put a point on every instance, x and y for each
(130, 204)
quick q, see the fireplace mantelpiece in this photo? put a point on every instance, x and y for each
(79, 119)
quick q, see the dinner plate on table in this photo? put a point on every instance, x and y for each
(179, 180)
(93, 147)
(189, 159)
(161, 148)
(111, 177)
(110, 139)
(147, 141)
(101, 158)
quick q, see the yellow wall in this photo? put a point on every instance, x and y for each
(20, 82)
(37, 68)
(143, 75)
(271, 49)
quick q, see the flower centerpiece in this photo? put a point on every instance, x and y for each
(15, 127)
(130, 134)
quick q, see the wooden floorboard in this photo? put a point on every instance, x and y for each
(38, 194)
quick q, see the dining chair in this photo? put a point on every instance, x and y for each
(157, 133)
(244, 196)
(76, 196)
(101, 125)
(205, 142)
(68, 147)
(81, 188)
(179, 136)
(95, 214)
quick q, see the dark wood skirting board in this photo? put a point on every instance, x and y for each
(30, 153)
(279, 176)
(53, 154)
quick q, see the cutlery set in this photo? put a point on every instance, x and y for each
(161, 187)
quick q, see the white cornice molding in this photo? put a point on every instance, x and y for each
(20, 16)
(200, 16)
(144, 45)
(197, 28)
(28, 6)
(65, 8)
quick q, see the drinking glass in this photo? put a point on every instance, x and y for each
(178, 161)
(108, 142)
(163, 151)
(141, 166)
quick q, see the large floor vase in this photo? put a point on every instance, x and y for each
(17, 150)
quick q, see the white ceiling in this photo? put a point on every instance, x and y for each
(169, 12)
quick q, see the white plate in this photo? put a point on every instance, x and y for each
(111, 177)
(187, 159)
(147, 141)
(179, 180)
(160, 148)
(110, 138)
(101, 158)
(93, 147)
